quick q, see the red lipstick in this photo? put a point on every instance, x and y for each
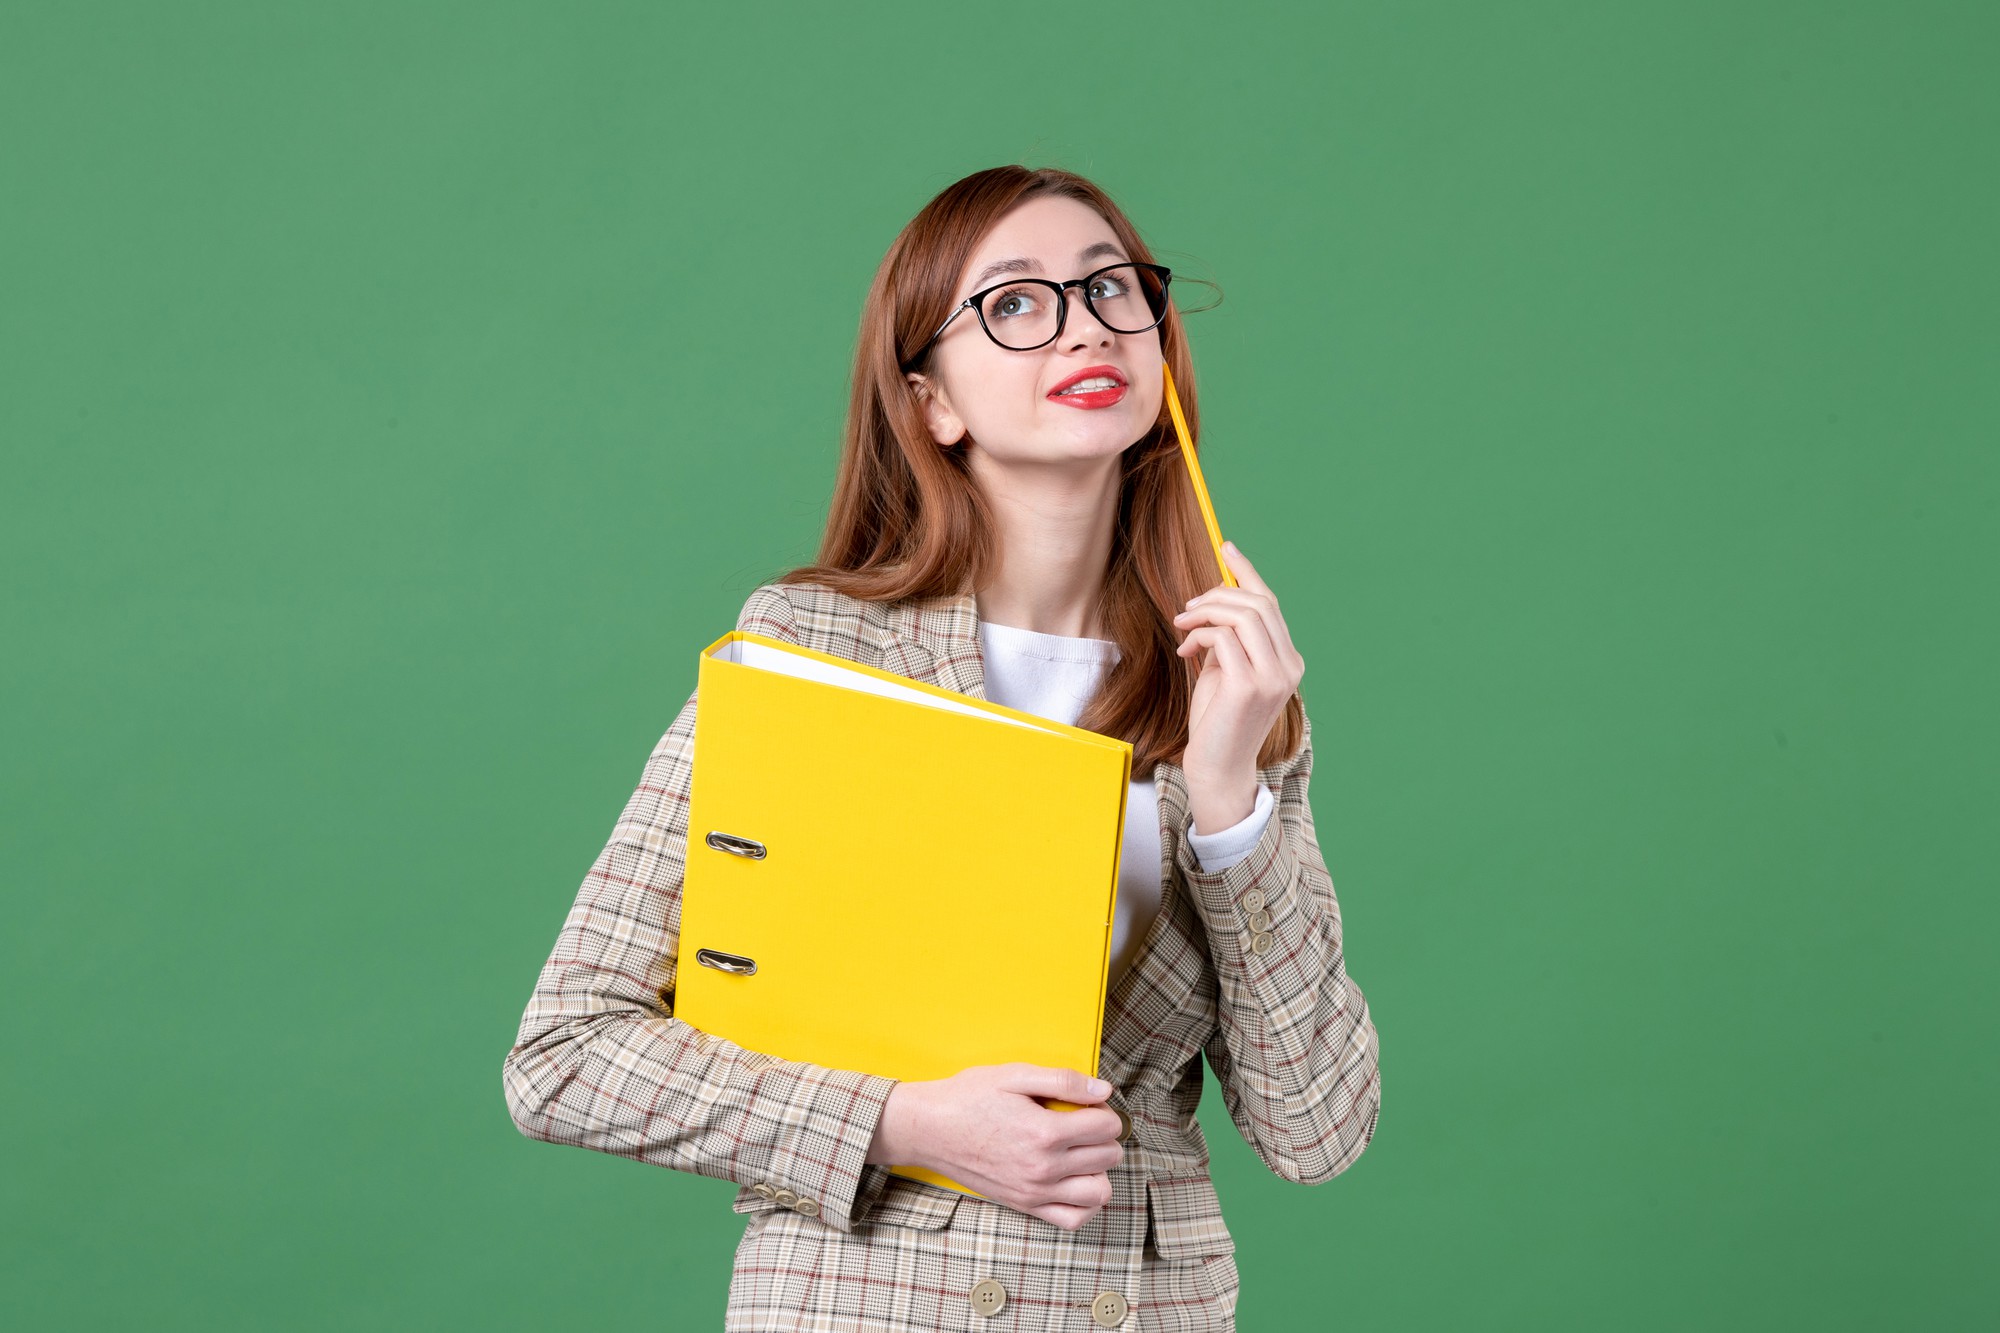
(1098, 397)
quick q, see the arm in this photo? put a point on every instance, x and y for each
(601, 1062)
(1295, 1050)
(1294, 1047)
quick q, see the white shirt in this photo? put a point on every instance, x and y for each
(1054, 676)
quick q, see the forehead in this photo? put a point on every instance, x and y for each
(1049, 232)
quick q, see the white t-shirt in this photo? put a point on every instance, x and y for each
(1054, 676)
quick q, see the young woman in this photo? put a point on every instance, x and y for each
(1012, 520)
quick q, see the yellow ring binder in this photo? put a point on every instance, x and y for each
(949, 870)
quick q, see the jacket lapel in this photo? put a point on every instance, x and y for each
(948, 628)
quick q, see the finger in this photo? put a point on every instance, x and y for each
(1092, 1159)
(1067, 1085)
(1089, 1192)
(1195, 641)
(1226, 650)
(1091, 1125)
(1245, 572)
(1263, 601)
(1248, 577)
(1251, 629)
(1062, 1215)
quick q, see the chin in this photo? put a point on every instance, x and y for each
(1104, 444)
(1110, 428)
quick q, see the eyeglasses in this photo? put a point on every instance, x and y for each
(1027, 313)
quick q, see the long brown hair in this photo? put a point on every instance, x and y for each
(908, 519)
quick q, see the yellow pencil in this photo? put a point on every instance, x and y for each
(1194, 471)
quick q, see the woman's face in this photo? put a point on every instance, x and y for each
(1005, 401)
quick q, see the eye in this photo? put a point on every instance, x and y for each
(1012, 303)
(1108, 286)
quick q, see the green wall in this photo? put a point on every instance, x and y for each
(397, 396)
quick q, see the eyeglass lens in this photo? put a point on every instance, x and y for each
(1125, 299)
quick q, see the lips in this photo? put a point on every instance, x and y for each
(1109, 389)
(1092, 372)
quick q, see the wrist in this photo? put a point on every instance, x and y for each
(899, 1134)
(1218, 803)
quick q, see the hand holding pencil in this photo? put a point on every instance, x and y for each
(1250, 668)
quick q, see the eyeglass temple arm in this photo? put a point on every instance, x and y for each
(963, 306)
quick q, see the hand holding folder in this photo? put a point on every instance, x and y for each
(887, 876)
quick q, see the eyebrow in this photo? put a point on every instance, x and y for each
(998, 267)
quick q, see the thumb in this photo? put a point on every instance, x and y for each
(1069, 1085)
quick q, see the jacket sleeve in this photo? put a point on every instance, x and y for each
(1295, 1048)
(602, 1063)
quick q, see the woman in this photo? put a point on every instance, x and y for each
(1013, 521)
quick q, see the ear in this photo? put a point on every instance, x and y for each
(945, 427)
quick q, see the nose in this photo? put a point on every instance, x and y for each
(1081, 326)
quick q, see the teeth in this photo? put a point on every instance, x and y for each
(1091, 385)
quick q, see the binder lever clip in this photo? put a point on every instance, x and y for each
(735, 846)
(726, 962)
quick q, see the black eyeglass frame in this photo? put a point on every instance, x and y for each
(976, 303)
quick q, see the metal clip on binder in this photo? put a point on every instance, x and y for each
(735, 846)
(726, 962)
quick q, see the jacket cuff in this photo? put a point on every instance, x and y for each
(826, 1175)
(1249, 899)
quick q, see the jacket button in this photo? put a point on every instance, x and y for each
(1108, 1309)
(1261, 942)
(763, 1190)
(1124, 1125)
(810, 1207)
(988, 1297)
(1253, 900)
(1260, 920)
(786, 1197)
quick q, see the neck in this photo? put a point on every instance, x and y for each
(1055, 544)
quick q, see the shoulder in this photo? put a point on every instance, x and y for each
(815, 616)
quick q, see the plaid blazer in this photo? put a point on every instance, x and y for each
(1242, 965)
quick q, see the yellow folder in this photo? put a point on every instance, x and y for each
(887, 876)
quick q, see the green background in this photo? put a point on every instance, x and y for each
(397, 396)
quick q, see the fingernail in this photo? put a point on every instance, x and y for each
(1099, 1088)
(1232, 546)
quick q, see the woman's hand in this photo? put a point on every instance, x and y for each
(984, 1128)
(1250, 671)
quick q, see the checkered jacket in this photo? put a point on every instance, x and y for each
(834, 1243)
